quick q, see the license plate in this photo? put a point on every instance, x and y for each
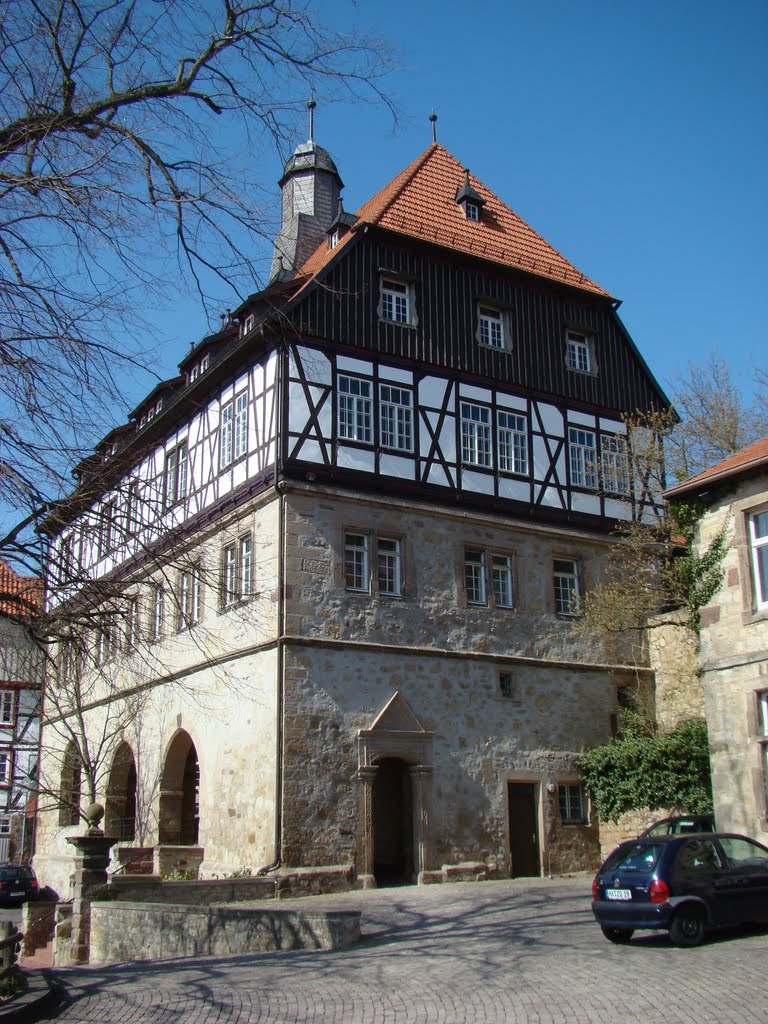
(19, 893)
(618, 894)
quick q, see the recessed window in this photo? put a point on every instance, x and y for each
(758, 541)
(132, 624)
(491, 327)
(356, 564)
(7, 707)
(475, 435)
(512, 443)
(501, 576)
(6, 763)
(395, 418)
(241, 425)
(176, 475)
(388, 566)
(582, 453)
(472, 211)
(573, 805)
(5, 825)
(474, 576)
(614, 464)
(567, 586)
(355, 409)
(248, 324)
(395, 301)
(225, 437)
(237, 572)
(333, 239)
(578, 355)
(190, 598)
(507, 686)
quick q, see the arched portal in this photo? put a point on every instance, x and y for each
(120, 817)
(393, 855)
(179, 794)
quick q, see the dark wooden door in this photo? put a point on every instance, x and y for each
(392, 823)
(523, 830)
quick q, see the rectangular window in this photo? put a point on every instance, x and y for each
(190, 594)
(158, 613)
(396, 418)
(229, 590)
(241, 425)
(5, 825)
(246, 568)
(577, 352)
(356, 571)
(567, 587)
(582, 453)
(355, 410)
(176, 475)
(6, 764)
(474, 576)
(132, 508)
(491, 325)
(475, 435)
(395, 304)
(513, 443)
(573, 806)
(507, 687)
(614, 464)
(225, 438)
(501, 574)
(472, 211)
(132, 625)
(758, 541)
(7, 707)
(388, 566)
(237, 582)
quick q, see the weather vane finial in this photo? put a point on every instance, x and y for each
(433, 119)
(311, 108)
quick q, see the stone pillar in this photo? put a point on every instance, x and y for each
(421, 787)
(91, 863)
(366, 774)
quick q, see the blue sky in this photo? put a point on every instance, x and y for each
(632, 136)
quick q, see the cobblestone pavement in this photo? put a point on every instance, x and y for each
(507, 952)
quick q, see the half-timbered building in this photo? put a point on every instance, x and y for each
(352, 536)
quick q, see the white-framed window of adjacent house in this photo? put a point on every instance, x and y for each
(490, 324)
(6, 767)
(512, 441)
(577, 352)
(614, 464)
(758, 542)
(357, 562)
(501, 579)
(475, 581)
(226, 446)
(573, 804)
(389, 566)
(582, 454)
(190, 597)
(7, 707)
(241, 425)
(567, 586)
(475, 435)
(5, 824)
(395, 301)
(355, 409)
(395, 418)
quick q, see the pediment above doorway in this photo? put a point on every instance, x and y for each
(395, 716)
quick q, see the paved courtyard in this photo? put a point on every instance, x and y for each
(481, 953)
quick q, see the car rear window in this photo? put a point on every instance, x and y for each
(641, 857)
(10, 874)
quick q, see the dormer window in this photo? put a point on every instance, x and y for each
(472, 211)
(248, 324)
(333, 239)
(490, 327)
(396, 301)
(578, 352)
(470, 199)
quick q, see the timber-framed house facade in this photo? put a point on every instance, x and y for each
(352, 537)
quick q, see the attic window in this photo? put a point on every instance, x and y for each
(248, 323)
(472, 211)
(333, 239)
(469, 199)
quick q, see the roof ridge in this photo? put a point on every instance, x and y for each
(404, 178)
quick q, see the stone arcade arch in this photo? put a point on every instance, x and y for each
(395, 776)
(179, 793)
(120, 809)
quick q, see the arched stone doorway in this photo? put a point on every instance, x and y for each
(179, 794)
(395, 808)
(120, 811)
(393, 861)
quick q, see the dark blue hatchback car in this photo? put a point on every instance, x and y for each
(685, 884)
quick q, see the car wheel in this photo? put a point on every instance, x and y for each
(687, 928)
(618, 935)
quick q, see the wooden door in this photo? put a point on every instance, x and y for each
(523, 830)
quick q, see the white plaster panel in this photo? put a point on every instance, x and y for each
(238, 473)
(541, 459)
(394, 465)
(617, 509)
(551, 418)
(298, 411)
(612, 426)
(551, 497)
(517, 490)
(448, 439)
(437, 475)
(583, 419)
(316, 366)
(310, 451)
(227, 394)
(481, 394)
(225, 484)
(350, 365)
(355, 458)
(395, 374)
(432, 391)
(589, 503)
(511, 402)
(480, 483)
(325, 418)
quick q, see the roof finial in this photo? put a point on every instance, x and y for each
(311, 108)
(433, 119)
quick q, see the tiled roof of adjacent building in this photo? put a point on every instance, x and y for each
(420, 202)
(753, 457)
(19, 595)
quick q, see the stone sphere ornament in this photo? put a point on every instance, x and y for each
(93, 815)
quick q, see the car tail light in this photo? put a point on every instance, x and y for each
(594, 888)
(33, 884)
(659, 891)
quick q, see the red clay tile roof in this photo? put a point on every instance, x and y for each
(19, 595)
(755, 456)
(421, 202)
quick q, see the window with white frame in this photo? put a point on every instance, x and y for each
(7, 707)
(512, 441)
(567, 586)
(229, 589)
(578, 355)
(573, 804)
(762, 738)
(475, 435)
(132, 624)
(614, 464)
(356, 562)
(491, 327)
(237, 579)
(475, 584)
(190, 598)
(388, 566)
(6, 767)
(355, 409)
(395, 301)
(472, 211)
(226, 446)
(246, 568)
(157, 621)
(395, 417)
(758, 542)
(501, 578)
(241, 425)
(176, 475)
(582, 453)
(5, 825)
(132, 508)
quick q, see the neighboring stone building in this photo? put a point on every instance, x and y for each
(352, 536)
(22, 668)
(734, 636)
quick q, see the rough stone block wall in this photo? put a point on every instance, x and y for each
(674, 657)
